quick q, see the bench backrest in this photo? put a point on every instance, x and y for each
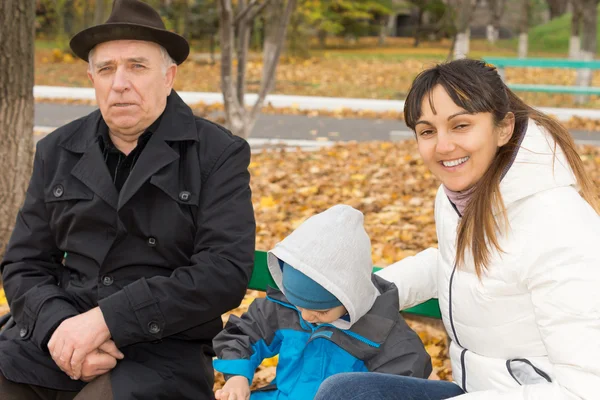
(261, 278)
(500, 62)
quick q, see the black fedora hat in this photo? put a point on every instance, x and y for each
(131, 20)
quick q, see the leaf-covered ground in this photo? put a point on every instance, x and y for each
(366, 72)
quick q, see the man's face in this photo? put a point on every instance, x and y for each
(131, 82)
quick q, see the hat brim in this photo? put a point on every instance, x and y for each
(176, 45)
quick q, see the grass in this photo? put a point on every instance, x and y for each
(552, 37)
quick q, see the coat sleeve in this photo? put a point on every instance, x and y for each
(563, 281)
(247, 341)
(221, 266)
(31, 267)
(415, 277)
(405, 355)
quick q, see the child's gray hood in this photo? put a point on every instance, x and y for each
(333, 249)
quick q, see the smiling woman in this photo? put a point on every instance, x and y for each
(516, 272)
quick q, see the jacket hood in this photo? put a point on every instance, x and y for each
(538, 166)
(333, 249)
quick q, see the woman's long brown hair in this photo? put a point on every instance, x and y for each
(477, 87)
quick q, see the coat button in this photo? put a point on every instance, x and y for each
(152, 241)
(153, 328)
(107, 280)
(23, 332)
(184, 196)
(58, 191)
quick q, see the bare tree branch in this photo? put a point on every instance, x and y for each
(259, 9)
(271, 65)
(243, 42)
(227, 43)
(242, 14)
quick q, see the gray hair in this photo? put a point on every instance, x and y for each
(166, 58)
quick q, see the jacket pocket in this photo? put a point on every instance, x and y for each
(525, 373)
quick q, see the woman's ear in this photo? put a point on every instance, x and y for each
(506, 129)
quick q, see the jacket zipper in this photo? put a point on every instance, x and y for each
(464, 370)
(462, 354)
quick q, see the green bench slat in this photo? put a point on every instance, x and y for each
(542, 63)
(518, 87)
(261, 278)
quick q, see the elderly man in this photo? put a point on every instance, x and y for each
(136, 234)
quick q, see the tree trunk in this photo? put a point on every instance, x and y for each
(87, 15)
(588, 43)
(17, 30)
(557, 7)
(463, 16)
(186, 20)
(418, 27)
(495, 11)
(99, 13)
(524, 29)
(240, 120)
(273, 13)
(575, 40)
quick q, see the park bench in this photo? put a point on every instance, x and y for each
(502, 63)
(261, 278)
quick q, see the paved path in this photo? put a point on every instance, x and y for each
(286, 127)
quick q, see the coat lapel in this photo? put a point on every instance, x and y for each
(91, 168)
(93, 172)
(156, 155)
(177, 124)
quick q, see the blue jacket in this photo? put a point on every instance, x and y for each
(380, 341)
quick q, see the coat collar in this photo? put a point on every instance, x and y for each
(177, 124)
(537, 167)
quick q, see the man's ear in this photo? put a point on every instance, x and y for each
(170, 77)
(506, 129)
(90, 76)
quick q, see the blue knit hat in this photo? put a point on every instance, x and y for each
(303, 292)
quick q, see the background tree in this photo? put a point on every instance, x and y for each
(235, 36)
(575, 40)
(350, 19)
(557, 7)
(17, 19)
(495, 12)
(462, 15)
(99, 12)
(524, 28)
(589, 29)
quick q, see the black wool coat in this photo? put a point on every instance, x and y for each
(163, 258)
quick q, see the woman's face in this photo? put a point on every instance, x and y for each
(458, 147)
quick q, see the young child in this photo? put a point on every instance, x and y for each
(331, 315)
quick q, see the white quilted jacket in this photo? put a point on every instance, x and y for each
(530, 329)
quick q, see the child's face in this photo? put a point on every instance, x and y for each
(322, 316)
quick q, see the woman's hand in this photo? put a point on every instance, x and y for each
(236, 388)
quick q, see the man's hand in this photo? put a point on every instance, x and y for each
(100, 361)
(236, 388)
(75, 338)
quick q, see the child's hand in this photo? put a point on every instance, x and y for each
(236, 388)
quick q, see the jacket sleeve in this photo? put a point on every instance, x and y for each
(221, 266)
(31, 267)
(415, 277)
(402, 354)
(247, 341)
(563, 280)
